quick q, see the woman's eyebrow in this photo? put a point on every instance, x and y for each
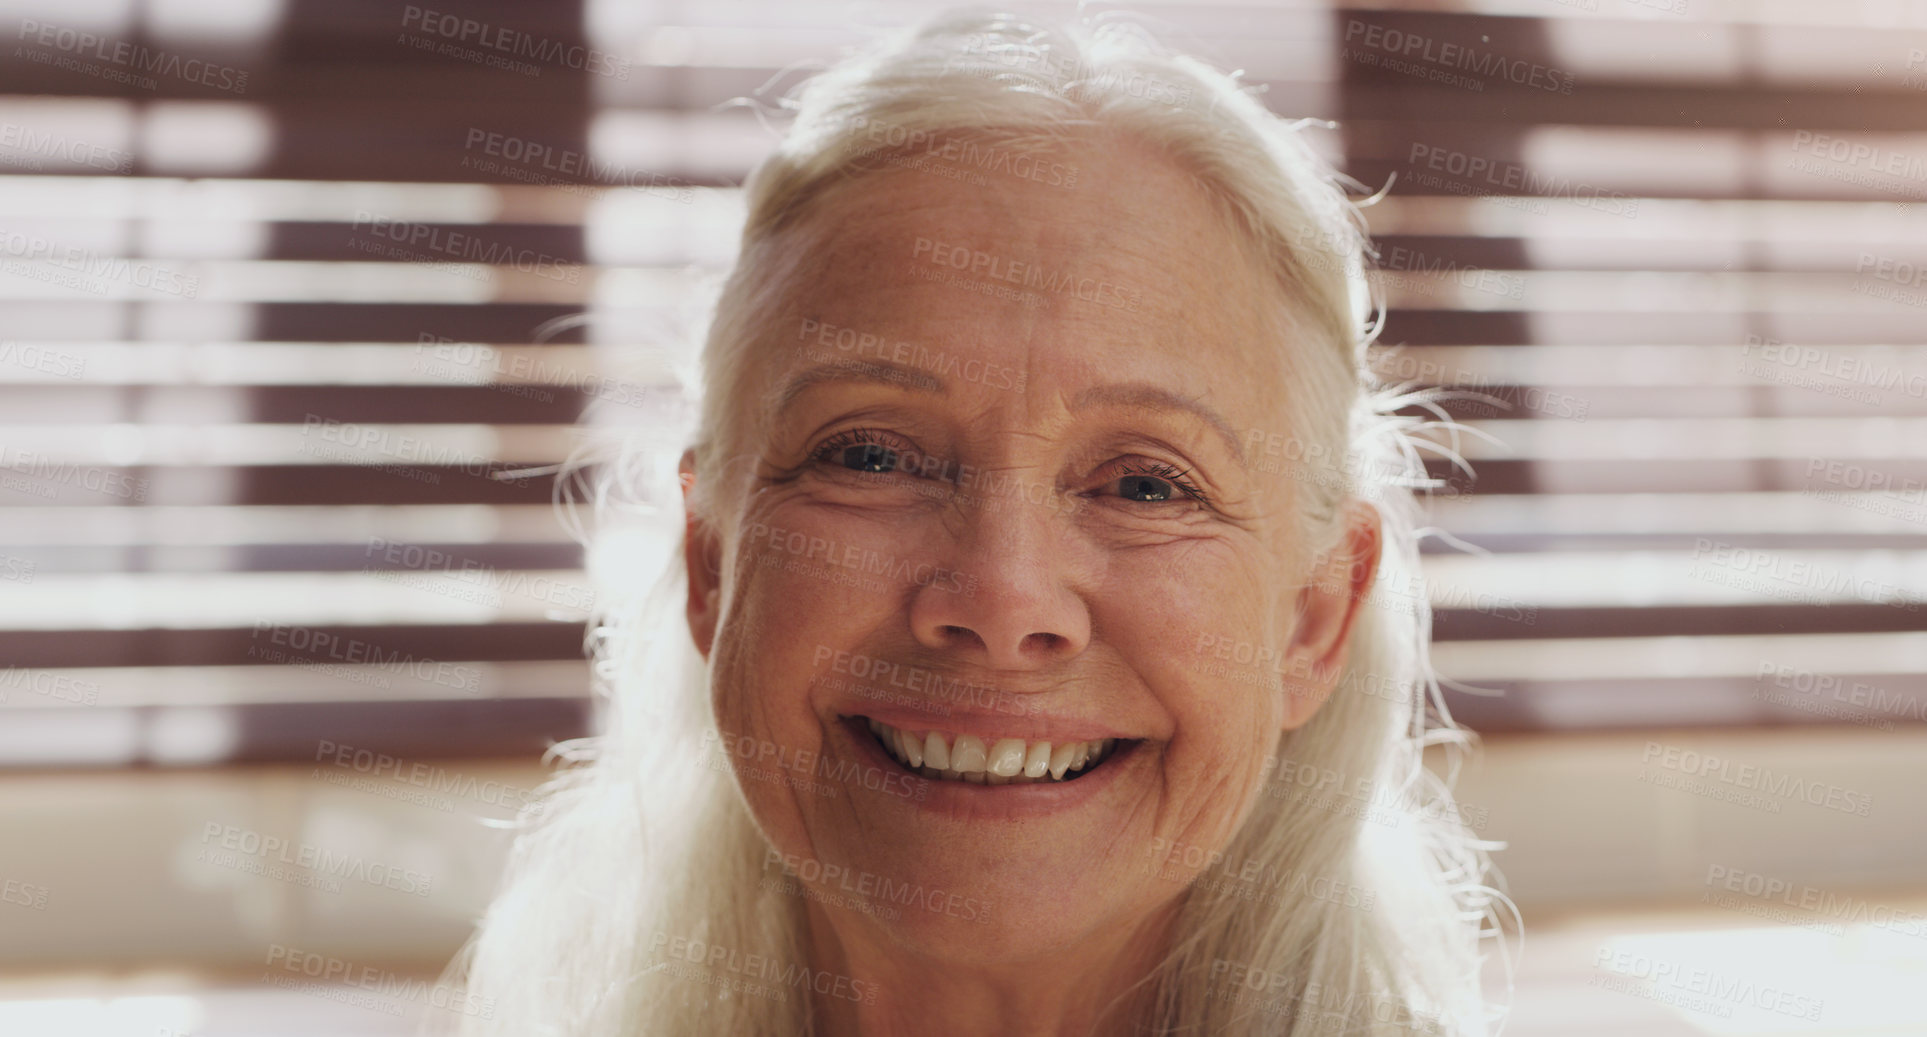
(1147, 395)
(884, 372)
(880, 372)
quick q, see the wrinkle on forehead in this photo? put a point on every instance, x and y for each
(1135, 215)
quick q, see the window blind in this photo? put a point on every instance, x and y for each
(292, 291)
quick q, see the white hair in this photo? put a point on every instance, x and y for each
(644, 839)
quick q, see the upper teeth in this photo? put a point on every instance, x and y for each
(1005, 761)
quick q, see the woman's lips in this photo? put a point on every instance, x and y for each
(944, 756)
(1020, 720)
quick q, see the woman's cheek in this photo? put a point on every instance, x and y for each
(1224, 696)
(1196, 625)
(761, 684)
(801, 594)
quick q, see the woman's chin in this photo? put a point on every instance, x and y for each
(982, 903)
(988, 927)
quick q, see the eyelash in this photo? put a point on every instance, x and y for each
(854, 437)
(1172, 474)
(1169, 473)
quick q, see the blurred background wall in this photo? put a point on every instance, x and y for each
(288, 339)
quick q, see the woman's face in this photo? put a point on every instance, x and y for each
(1007, 491)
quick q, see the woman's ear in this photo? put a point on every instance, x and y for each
(702, 561)
(1328, 604)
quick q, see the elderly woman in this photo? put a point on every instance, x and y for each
(1031, 529)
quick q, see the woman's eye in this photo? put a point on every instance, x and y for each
(864, 450)
(1155, 484)
(1145, 488)
(867, 457)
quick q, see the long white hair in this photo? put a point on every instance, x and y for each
(636, 888)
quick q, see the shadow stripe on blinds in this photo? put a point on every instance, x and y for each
(1687, 231)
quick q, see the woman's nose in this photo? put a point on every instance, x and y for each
(1016, 601)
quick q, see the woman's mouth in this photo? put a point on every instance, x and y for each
(942, 756)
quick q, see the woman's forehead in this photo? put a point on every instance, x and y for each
(1135, 269)
(1130, 206)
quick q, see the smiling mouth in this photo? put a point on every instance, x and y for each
(942, 756)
